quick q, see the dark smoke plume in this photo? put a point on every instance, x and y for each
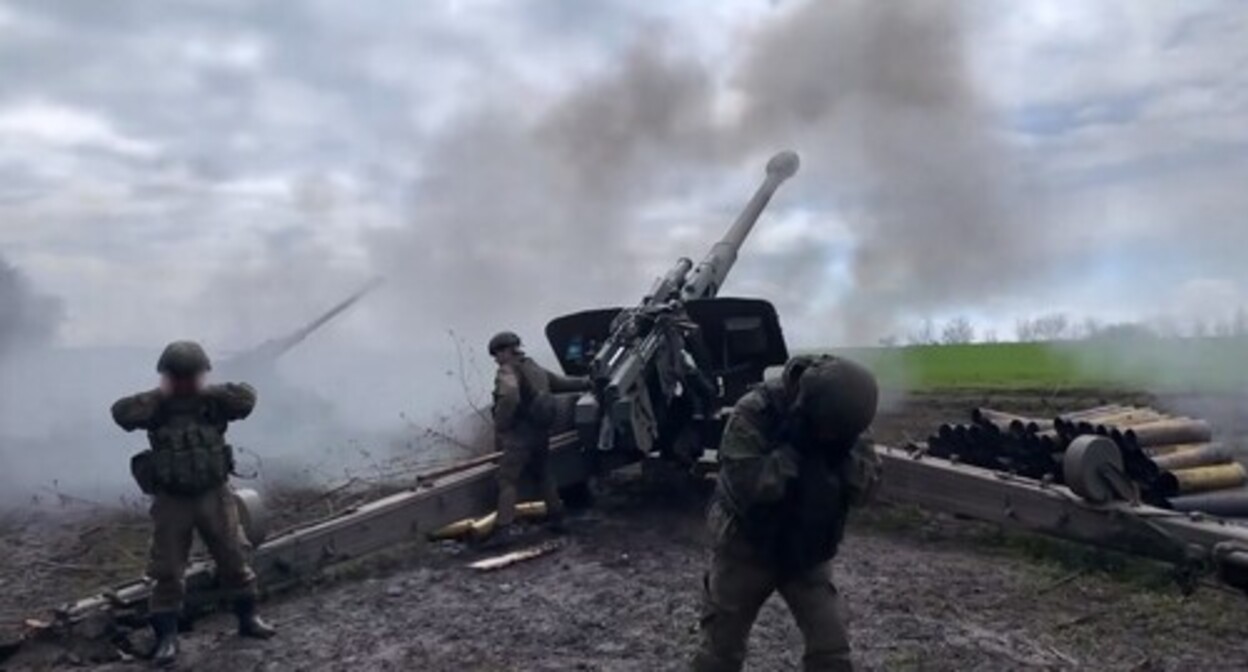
(880, 98)
(26, 317)
(518, 218)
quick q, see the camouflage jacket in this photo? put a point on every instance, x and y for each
(516, 388)
(785, 500)
(189, 454)
(221, 405)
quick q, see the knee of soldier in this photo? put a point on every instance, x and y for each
(510, 469)
(723, 624)
(827, 640)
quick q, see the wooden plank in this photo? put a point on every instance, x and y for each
(941, 485)
(298, 553)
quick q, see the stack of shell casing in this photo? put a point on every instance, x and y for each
(1173, 459)
(1001, 441)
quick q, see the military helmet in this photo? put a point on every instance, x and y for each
(503, 340)
(183, 358)
(837, 395)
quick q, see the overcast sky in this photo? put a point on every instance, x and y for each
(223, 169)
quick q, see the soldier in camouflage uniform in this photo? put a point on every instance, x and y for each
(792, 463)
(524, 412)
(186, 471)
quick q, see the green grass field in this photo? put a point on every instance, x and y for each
(1214, 364)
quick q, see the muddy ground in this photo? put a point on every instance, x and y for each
(924, 593)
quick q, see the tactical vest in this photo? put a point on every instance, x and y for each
(188, 455)
(806, 526)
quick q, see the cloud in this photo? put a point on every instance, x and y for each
(60, 127)
(1001, 130)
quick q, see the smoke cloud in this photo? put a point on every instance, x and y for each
(520, 217)
(515, 219)
(882, 101)
(26, 317)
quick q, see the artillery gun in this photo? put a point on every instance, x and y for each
(663, 369)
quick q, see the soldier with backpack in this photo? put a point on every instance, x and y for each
(524, 411)
(186, 471)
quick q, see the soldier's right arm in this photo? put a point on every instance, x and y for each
(560, 383)
(234, 400)
(137, 411)
(506, 398)
(755, 470)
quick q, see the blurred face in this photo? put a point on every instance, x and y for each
(507, 356)
(823, 435)
(181, 385)
(818, 433)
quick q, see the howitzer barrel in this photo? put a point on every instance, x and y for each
(270, 351)
(710, 274)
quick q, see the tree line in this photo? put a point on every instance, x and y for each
(1060, 327)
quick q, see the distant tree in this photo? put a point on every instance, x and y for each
(1166, 327)
(889, 341)
(1051, 327)
(958, 331)
(1025, 330)
(1125, 331)
(1199, 329)
(1090, 327)
(1224, 328)
(990, 336)
(1240, 324)
(924, 335)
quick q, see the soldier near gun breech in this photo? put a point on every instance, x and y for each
(792, 463)
(186, 471)
(524, 412)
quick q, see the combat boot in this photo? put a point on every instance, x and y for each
(502, 537)
(165, 626)
(249, 624)
(557, 523)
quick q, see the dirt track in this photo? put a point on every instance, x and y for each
(622, 594)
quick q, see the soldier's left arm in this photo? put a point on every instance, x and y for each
(235, 400)
(862, 469)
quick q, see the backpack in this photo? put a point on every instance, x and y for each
(536, 405)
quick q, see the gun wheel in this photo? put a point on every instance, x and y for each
(253, 515)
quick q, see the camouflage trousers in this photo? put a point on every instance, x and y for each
(735, 589)
(525, 451)
(214, 515)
